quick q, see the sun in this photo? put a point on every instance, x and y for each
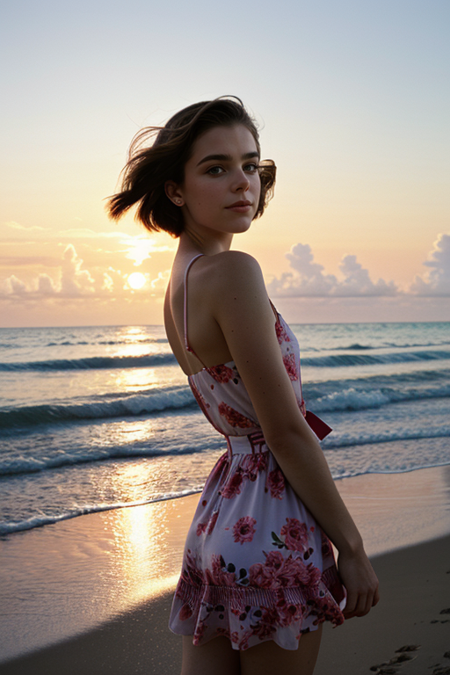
(136, 280)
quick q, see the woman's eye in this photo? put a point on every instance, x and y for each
(251, 168)
(215, 170)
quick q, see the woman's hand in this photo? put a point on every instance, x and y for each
(360, 581)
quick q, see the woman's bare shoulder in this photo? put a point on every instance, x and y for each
(233, 272)
(236, 292)
(228, 262)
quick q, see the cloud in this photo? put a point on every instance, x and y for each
(309, 279)
(74, 281)
(29, 261)
(139, 248)
(108, 283)
(87, 233)
(159, 284)
(46, 285)
(14, 286)
(33, 228)
(437, 280)
(357, 281)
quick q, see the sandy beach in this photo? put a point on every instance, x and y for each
(92, 594)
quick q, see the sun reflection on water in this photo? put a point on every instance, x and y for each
(137, 431)
(147, 546)
(140, 340)
(138, 377)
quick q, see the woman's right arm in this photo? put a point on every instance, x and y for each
(239, 303)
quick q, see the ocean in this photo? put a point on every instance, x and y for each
(94, 418)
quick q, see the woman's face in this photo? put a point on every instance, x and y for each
(221, 186)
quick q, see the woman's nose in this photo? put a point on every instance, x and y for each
(242, 182)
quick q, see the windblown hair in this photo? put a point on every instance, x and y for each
(149, 167)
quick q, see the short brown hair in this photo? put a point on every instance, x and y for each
(149, 168)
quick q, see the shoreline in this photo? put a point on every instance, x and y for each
(119, 567)
(413, 613)
(56, 520)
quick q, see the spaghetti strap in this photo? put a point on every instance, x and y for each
(186, 339)
(274, 310)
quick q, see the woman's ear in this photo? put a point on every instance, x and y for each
(173, 193)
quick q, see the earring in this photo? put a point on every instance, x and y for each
(178, 201)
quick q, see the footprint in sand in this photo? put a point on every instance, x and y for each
(443, 611)
(442, 670)
(388, 668)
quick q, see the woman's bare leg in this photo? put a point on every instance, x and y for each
(216, 657)
(268, 658)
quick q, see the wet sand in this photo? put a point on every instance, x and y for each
(92, 594)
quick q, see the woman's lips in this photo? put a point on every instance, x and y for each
(240, 207)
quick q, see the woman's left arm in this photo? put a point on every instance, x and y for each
(239, 301)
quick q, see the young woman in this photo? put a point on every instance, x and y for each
(259, 576)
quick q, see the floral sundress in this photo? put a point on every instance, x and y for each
(256, 565)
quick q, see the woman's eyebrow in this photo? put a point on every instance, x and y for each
(227, 158)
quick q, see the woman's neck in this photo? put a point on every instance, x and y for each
(209, 243)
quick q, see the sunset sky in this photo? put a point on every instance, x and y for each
(353, 101)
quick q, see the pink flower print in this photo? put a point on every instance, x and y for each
(290, 572)
(301, 574)
(233, 486)
(253, 464)
(315, 575)
(218, 575)
(268, 624)
(243, 644)
(282, 336)
(235, 637)
(201, 527)
(327, 551)
(190, 572)
(218, 469)
(291, 368)
(221, 373)
(199, 631)
(278, 572)
(288, 613)
(244, 530)
(199, 398)
(185, 612)
(274, 559)
(325, 608)
(276, 483)
(265, 575)
(302, 406)
(223, 631)
(212, 522)
(260, 577)
(295, 534)
(234, 418)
